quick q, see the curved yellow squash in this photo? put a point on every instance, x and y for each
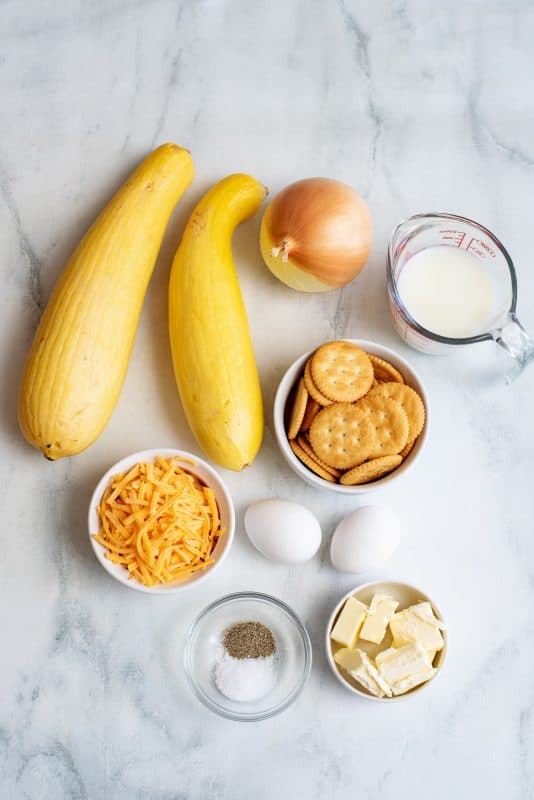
(79, 357)
(211, 345)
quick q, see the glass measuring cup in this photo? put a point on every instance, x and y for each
(430, 230)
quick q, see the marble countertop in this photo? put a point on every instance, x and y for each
(421, 107)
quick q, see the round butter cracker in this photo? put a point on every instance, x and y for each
(390, 422)
(312, 388)
(409, 400)
(370, 470)
(384, 371)
(341, 371)
(306, 446)
(312, 409)
(299, 409)
(310, 463)
(407, 449)
(343, 435)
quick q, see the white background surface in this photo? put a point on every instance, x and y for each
(422, 106)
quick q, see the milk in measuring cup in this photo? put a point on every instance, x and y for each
(447, 291)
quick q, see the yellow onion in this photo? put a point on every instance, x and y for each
(316, 235)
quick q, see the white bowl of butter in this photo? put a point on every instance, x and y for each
(386, 640)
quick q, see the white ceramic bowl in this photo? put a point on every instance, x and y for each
(406, 595)
(206, 474)
(280, 401)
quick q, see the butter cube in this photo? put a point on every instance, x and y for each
(380, 612)
(417, 624)
(360, 667)
(349, 622)
(404, 667)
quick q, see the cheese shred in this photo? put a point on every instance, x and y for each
(160, 522)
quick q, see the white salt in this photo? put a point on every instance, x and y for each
(244, 679)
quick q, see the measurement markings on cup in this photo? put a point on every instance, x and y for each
(456, 237)
(474, 245)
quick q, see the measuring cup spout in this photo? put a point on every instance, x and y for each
(515, 341)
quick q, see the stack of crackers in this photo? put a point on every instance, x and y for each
(352, 419)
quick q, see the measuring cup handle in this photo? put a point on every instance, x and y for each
(515, 341)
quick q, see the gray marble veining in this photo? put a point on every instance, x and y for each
(422, 107)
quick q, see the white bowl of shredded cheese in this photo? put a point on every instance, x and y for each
(161, 520)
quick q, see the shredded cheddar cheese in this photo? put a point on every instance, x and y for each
(159, 521)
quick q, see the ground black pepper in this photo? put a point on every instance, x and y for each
(249, 640)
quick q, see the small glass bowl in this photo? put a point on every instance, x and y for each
(292, 660)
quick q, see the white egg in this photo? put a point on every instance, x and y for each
(283, 531)
(365, 539)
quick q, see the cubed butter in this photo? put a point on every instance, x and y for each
(380, 612)
(360, 667)
(417, 624)
(404, 667)
(349, 622)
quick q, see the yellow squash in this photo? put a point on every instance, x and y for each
(79, 357)
(211, 345)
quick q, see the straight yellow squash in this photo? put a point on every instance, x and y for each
(78, 360)
(211, 346)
